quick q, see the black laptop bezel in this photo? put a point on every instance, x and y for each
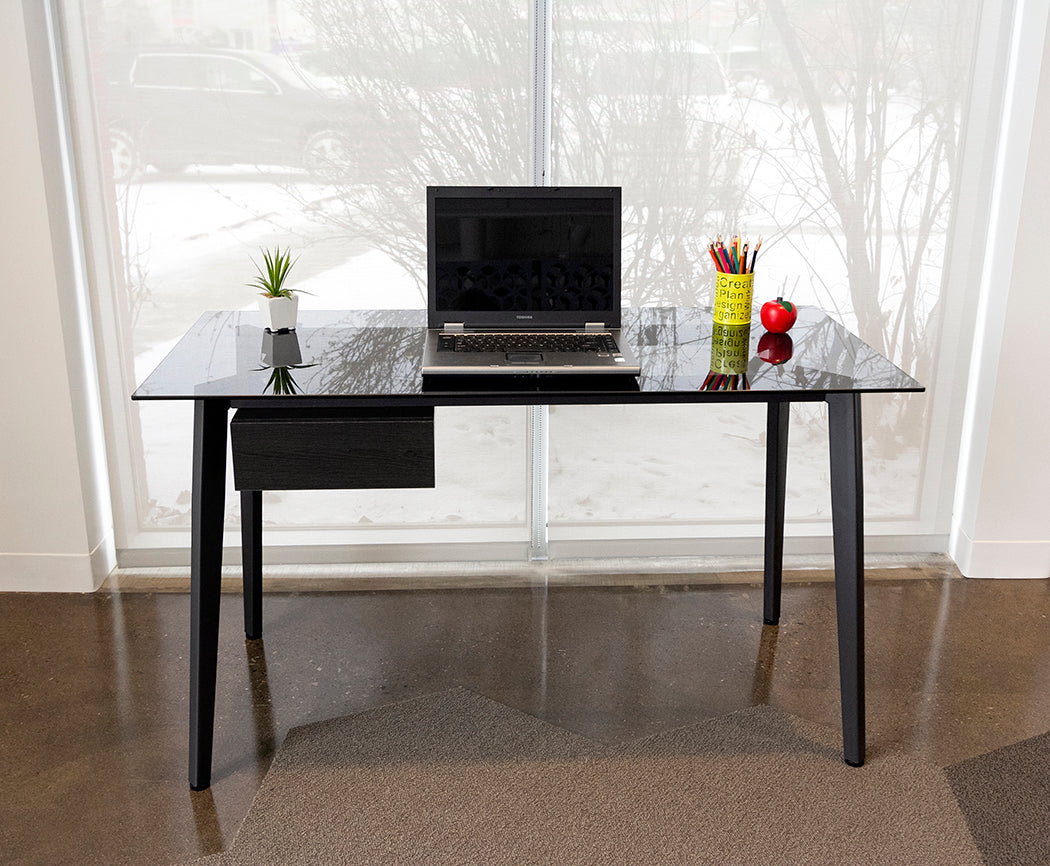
(539, 318)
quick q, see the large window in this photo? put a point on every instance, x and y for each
(323, 145)
(830, 128)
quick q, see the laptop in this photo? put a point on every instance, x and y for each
(524, 280)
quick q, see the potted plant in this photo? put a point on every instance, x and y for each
(278, 304)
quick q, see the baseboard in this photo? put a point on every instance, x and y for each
(1000, 559)
(49, 572)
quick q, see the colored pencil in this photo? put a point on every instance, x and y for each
(726, 266)
(754, 258)
(732, 257)
(714, 258)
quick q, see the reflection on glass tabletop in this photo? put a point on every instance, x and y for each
(378, 353)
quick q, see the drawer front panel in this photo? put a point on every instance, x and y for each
(332, 449)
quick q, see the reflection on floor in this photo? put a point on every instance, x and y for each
(94, 719)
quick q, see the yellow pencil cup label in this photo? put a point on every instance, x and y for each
(733, 298)
(730, 346)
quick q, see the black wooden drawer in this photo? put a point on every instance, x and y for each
(322, 449)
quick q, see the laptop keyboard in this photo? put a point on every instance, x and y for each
(519, 342)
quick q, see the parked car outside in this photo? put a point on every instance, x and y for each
(170, 107)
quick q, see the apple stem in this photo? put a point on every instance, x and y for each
(780, 298)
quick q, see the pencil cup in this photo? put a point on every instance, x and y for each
(733, 298)
(729, 348)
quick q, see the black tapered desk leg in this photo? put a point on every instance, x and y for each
(209, 506)
(847, 509)
(776, 487)
(251, 561)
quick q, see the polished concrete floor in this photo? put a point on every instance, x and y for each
(93, 688)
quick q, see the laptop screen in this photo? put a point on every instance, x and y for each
(523, 256)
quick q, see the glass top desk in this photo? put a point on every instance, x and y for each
(344, 399)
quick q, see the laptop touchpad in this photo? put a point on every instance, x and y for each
(525, 357)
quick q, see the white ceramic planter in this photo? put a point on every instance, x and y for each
(279, 314)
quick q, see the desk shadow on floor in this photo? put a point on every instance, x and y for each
(1005, 796)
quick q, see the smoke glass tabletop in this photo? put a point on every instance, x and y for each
(378, 354)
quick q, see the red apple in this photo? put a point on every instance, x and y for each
(778, 316)
(775, 348)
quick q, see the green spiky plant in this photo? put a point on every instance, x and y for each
(270, 281)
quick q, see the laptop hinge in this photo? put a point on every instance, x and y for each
(595, 326)
(453, 326)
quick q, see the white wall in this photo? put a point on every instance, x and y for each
(54, 535)
(1001, 522)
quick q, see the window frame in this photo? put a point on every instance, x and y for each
(138, 546)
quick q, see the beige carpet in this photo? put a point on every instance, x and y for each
(457, 778)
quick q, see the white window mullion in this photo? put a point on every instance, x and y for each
(537, 431)
(540, 93)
